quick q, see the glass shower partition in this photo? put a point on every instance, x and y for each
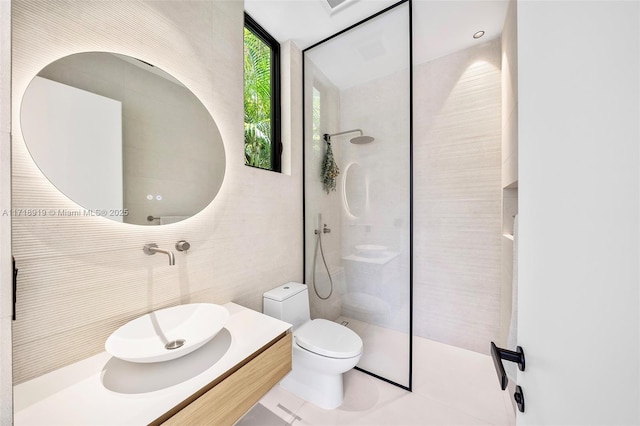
(357, 105)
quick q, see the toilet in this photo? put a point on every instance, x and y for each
(322, 350)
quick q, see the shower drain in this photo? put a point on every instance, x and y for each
(175, 344)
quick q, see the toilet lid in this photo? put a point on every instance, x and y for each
(328, 338)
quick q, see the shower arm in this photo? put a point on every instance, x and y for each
(327, 137)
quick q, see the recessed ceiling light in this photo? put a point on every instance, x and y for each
(478, 34)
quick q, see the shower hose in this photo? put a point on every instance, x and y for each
(315, 256)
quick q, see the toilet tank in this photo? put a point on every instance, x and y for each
(288, 302)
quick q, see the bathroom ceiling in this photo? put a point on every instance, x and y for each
(377, 49)
(441, 27)
(306, 22)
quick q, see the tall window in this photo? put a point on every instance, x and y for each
(262, 145)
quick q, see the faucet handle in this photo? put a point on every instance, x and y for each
(183, 245)
(149, 248)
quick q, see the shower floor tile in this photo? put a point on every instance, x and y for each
(451, 386)
(385, 352)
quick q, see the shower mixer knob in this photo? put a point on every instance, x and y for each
(183, 245)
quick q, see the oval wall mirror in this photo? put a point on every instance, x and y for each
(122, 138)
(355, 189)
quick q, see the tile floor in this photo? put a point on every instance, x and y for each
(385, 352)
(451, 386)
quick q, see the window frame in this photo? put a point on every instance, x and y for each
(276, 131)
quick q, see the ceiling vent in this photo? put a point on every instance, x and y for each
(336, 5)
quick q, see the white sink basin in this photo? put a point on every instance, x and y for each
(167, 333)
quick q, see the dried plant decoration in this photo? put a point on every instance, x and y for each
(330, 170)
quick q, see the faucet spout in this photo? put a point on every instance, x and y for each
(153, 249)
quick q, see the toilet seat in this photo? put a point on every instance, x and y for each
(329, 339)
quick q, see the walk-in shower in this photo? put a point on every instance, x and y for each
(357, 178)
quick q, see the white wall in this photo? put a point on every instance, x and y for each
(579, 194)
(81, 278)
(74, 133)
(6, 375)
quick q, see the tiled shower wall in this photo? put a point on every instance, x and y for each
(457, 198)
(82, 277)
(318, 201)
(381, 108)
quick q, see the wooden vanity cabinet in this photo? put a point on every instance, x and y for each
(228, 398)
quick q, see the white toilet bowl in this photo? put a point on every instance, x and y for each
(320, 361)
(322, 350)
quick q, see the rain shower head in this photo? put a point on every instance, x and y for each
(359, 140)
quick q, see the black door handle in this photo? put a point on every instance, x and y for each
(519, 397)
(15, 288)
(498, 354)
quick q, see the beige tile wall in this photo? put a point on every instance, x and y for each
(510, 97)
(82, 277)
(457, 198)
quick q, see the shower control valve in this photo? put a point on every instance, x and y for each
(183, 245)
(325, 230)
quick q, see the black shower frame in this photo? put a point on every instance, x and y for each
(304, 260)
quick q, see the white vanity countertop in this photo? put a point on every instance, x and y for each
(103, 390)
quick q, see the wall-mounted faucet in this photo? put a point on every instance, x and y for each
(325, 230)
(153, 249)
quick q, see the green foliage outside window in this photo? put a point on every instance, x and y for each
(257, 102)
